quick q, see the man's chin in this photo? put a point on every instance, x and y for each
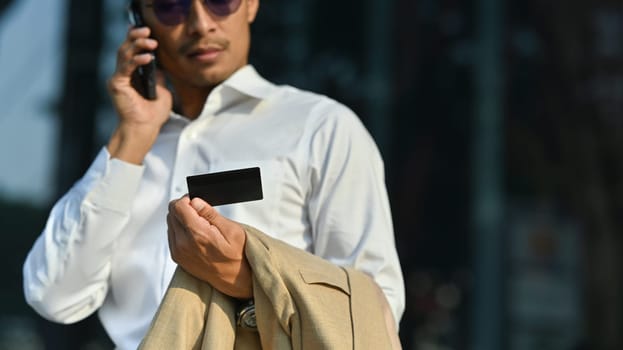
(211, 77)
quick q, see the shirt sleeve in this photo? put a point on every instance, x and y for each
(348, 203)
(67, 270)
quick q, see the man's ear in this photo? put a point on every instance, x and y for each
(252, 8)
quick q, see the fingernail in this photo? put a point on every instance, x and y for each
(197, 204)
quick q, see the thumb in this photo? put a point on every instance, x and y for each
(208, 212)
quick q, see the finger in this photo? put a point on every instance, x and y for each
(179, 228)
(197, 227)
(224, 226)
(144, 44)
(132, 35)
(181, 239)
(132, 52)
(172, 238)
(181, 209)
(205, 210)
(172, 205)
(173, 222)
(138, 32)
(136, 55)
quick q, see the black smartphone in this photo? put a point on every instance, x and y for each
(144, 77)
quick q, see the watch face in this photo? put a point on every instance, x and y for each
(246, 317)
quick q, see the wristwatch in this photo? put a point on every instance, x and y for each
(245, 315)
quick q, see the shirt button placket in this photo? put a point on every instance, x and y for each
(182, 163)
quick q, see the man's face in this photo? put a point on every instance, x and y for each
(205, 49)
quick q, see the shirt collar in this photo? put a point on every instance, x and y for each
(244, 83)
(247, 81)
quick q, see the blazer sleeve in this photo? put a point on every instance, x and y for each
(311, 302)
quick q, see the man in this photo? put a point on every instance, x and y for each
(105, 246)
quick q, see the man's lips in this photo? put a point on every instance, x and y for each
(204, 54)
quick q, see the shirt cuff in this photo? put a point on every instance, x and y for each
(117, 187)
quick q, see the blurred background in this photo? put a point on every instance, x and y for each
(501, 125)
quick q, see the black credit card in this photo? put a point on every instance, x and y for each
(226, 187)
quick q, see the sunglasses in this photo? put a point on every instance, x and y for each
(173, 12)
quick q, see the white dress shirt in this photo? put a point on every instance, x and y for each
(105, 243)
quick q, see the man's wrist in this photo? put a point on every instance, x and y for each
(131, 145)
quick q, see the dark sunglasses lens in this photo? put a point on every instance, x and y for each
(171, 12)
(223, 7)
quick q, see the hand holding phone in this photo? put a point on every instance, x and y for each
(144, 78)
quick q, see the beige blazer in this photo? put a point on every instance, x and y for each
(301, 302)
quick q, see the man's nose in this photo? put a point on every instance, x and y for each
(200, 20)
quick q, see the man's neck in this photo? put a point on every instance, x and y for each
(191, 100)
